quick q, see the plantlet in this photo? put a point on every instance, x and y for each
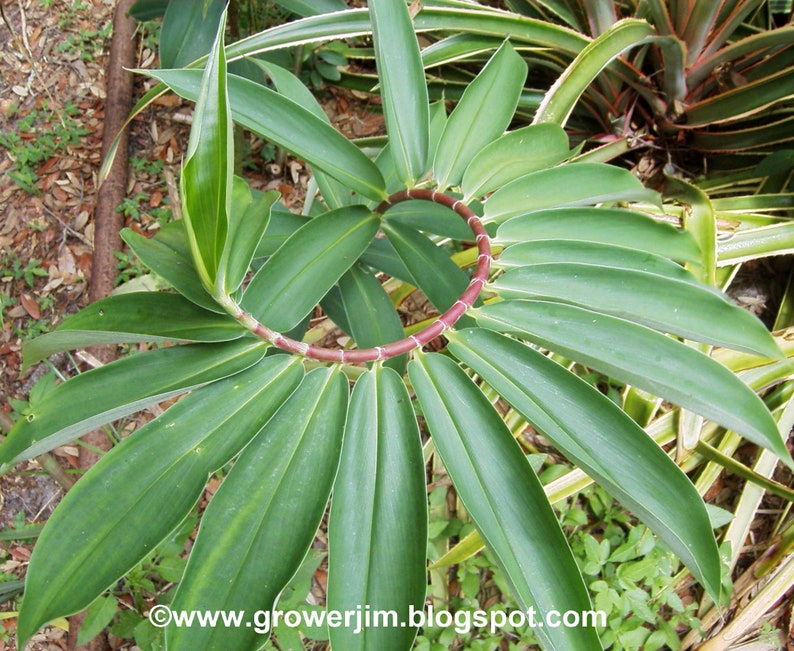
(582, 270)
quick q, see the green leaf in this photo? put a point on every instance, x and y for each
(624, 228)
(419, 254)
(481, 116)
(260, 523)
(514, 155)
(188, 31)
(468, 18)
(282, 224)
(542, 251)
(312, 7)
(133, 317)
(403, 89)
(503, 496)
(246, 229)
(377, 530)
(641, 357)
(308, 264)
(287, 124)
(153, 477)
(585, 184)
(372, 319)
(121, 388)
(600, 438)
(700, 220)
(335, 193)
(206, 187)
(558, 103)
(97, 617)
(431, 217)
(168, 255)
(665, 304)
(751, 243)
(743, 101)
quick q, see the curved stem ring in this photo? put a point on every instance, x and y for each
(424, 336)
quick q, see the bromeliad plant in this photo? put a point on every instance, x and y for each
(578, 273)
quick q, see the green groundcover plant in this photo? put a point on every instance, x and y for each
(582, 270)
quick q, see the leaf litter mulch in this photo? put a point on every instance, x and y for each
(54, 57)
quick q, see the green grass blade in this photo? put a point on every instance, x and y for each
(206, 187)
(287, 124)
(600, 438)
(481, 116)
(261, 521)
(307, 265)
(121, 388)
(602, 225)
(377, 529)
(155, 477)
(641, 357)
(514, 155)
(661, 303)
(503, 496)
(134, 317)
(585, 184)
(402, 87)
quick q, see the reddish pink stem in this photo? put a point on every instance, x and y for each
(425, 335)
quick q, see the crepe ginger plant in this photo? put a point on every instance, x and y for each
(577, 272)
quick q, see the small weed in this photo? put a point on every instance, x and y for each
(128, 267)
(151, 167)
(87, 44)
(38, 136)
(130, 207)
(12, 269)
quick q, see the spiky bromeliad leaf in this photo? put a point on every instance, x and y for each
(123, 387)
(559, 102)
(662, 303)
(599, 437)
(140, 490)
(133, 317)
(503, 496)
(403, 88)
(248, 549)
(642, 357)
(479, 118)
(377, 528)
(206, 187)
(307, 265)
